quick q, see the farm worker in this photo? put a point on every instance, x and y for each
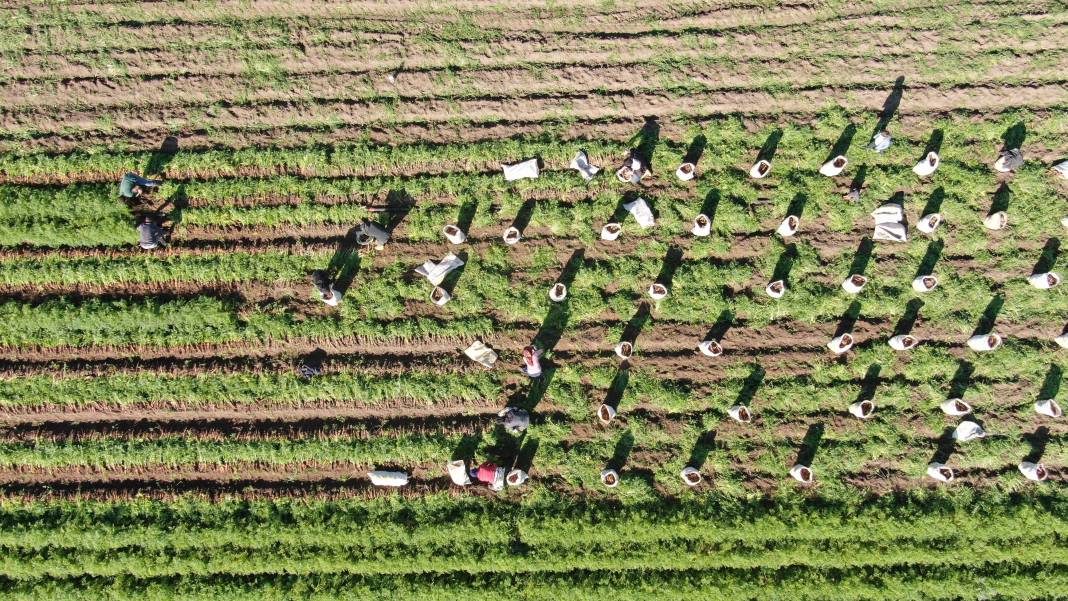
(1009, 160)
(133, 186)
(489, 473)
(513, 419)
(151, 233)
(531, 361)
(880, 142)
(325, 287)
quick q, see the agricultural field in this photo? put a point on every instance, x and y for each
(159, 441)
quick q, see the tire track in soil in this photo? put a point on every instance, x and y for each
(975, 97)
(618, 127)
(1030, 59)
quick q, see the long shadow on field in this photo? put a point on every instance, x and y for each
(621, 451)
(467, 447)
(989, 316)
(453, 277)
(1038, 441)
(618, 386)
(809, 445)
(797, 205)
(945, 446)
(890, 105)
(751, 385)
(696, 149)
(672, 260)
(961, 379)
(398, 204)
(934, 144)
(842, 144)
(1049, 256)
(870, 383)
(157, 163)
(466, 215)
(524, 460)
(537, 389)
(711, 205)
(345, 263)
(636, 324)
(785, 264)
(862, 257)
(699, 454)
(856, 187)
(1014, 136)
(1001, 198)
(770, 146)
(1051, 385)
(930, 258)
(849, 319)
(934, 203)
(646, 140)
(523, 216)
(908, 320)
(722, 325)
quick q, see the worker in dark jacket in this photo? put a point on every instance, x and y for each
(133, 186)
(152, 234)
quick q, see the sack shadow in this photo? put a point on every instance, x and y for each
(1037, 441)
(809, 445)
(908, 320)
(848, 320)
(930, 258)
(1048, 259)
(1014, 136)
(945, 446)
(621, 452)
(1051, 385)
(842, 144)
(672, 260)
(701, 448)
(1001, 198)
(618, 387)
(770, 146)
(870, 383)
(750, 386)
(721, 326)
(989, 316)
(890, 105)
(862, 257)
(934, 144)
(958, 384)
(696, 149)
(785, 264)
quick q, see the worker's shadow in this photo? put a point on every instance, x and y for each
(934, 203)
(701, 448)
(930, 258)
(870, 383)
(345, 263)
(842, 144)
(159, 159)
(467, 447)
(989, 316)
(398, 204)
(169, 214)
(945, 446)
(647, 139)
(909, 318)
(1051, 385)
(809, 445)
(862, 257)
(618, 386)
(696, 149)
(848, 320)
(553, 326)
(751, 385)
(537, 389)
(785, 264)
(721, 326)
(672, 260)
(1001, 198)
(621, 452)
(1014, 136)
(525, 458)
(1037, 441)
(1048, 259)
(890, 105)
(770, 146)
